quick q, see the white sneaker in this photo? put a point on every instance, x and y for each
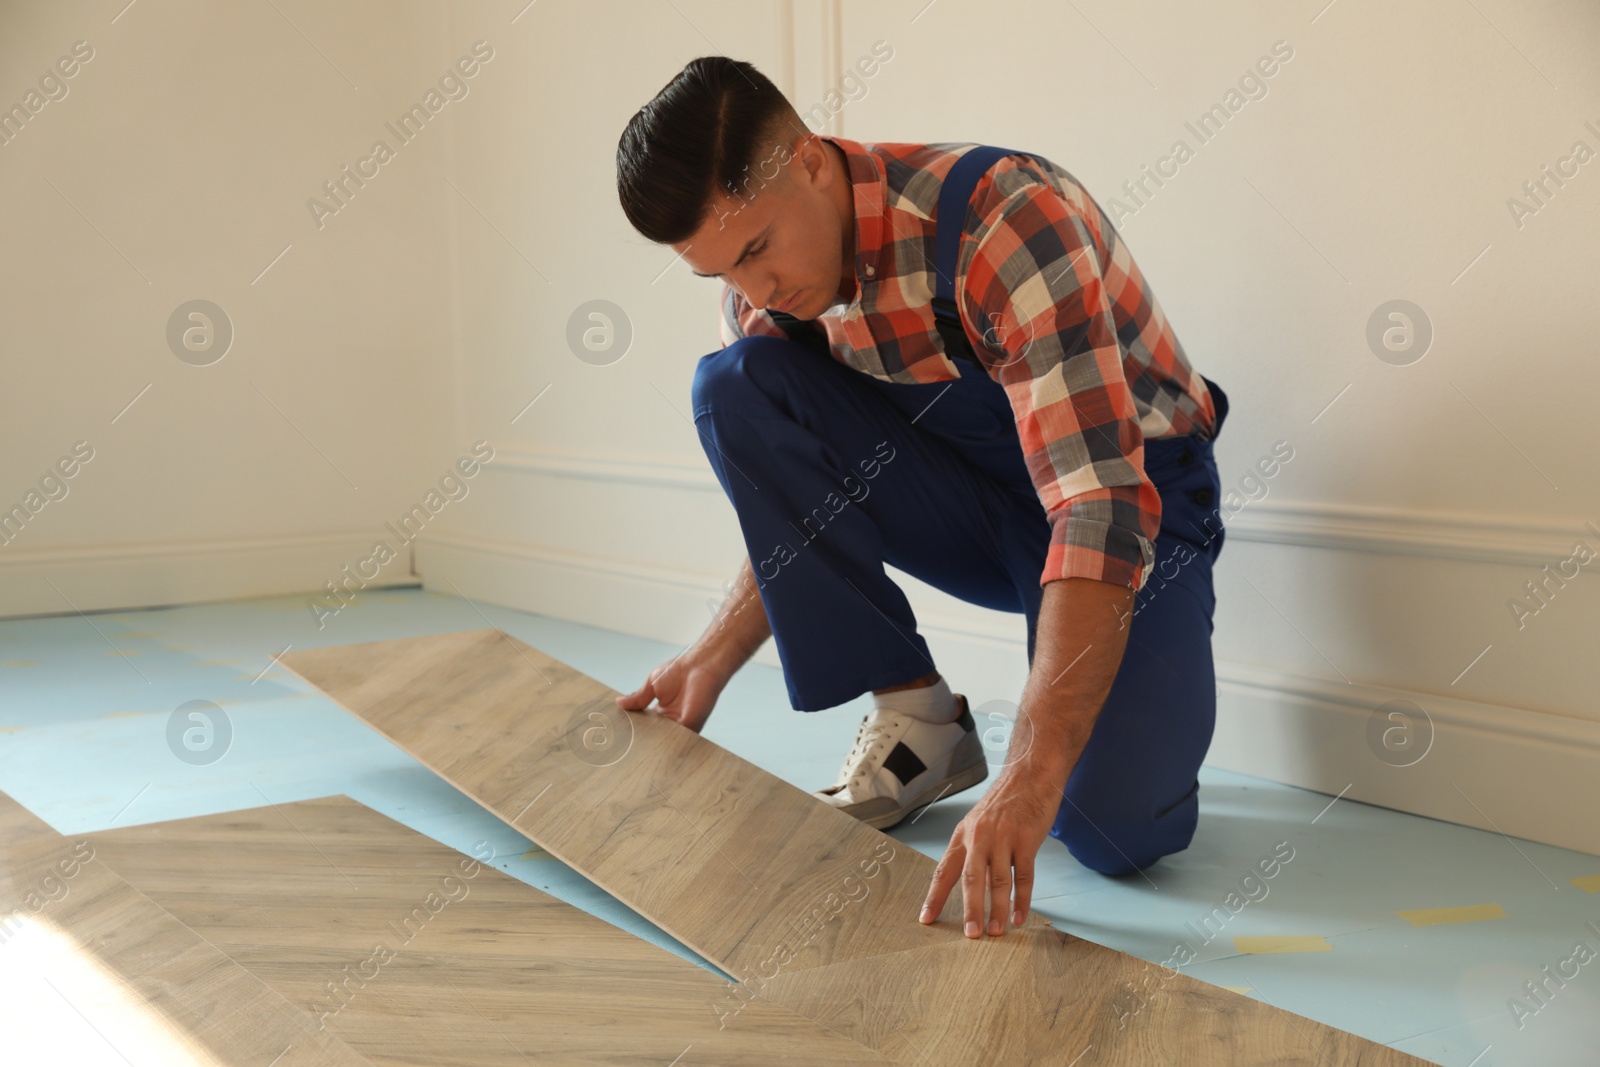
(899, 765)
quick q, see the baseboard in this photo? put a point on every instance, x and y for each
(118, 577)
(1524, 773)
(1511, 770)
(628, 597)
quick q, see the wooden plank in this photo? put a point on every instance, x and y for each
(741, 866)
(1040, 996)
(475, 968)
(804, 904)
(92, 970)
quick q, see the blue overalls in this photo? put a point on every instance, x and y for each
(834, 473)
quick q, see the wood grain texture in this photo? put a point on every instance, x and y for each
(477, 968)
(741, 866)
(807, 906)
(1040, 996)
(91, 965)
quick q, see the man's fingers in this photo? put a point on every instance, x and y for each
(974, 879)
(1024, 890)
(999, 889)
(944, 879)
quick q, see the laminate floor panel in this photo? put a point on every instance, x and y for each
(1043, 997)
(93, 971)
(734, 862)
(801, 902)
(413, 953)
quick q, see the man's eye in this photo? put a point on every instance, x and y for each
(756, 251)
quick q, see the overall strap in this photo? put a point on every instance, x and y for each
(951, 219)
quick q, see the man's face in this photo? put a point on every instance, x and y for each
(781, 243)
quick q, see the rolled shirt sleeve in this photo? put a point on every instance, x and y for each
(1035, 293)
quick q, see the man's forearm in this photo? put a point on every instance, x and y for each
(740, 625)
(1078, 646)
(1082, 633)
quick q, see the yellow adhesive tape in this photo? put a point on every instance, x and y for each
(1240, 989)
(1472, 913)
(1282, 943)
(1589, 883)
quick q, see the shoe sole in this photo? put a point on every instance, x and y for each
(949, 787)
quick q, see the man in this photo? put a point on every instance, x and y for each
(1049, 453)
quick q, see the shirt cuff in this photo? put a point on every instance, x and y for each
(1083, 547)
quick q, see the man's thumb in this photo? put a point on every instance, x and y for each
(638, 699)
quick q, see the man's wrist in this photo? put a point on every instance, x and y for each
(1041, 757)
(1047, 773)
(716, 655)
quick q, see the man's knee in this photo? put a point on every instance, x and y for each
(744, 371)
(1121, 840)
(1108, 857)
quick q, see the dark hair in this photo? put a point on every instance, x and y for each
(701, 133)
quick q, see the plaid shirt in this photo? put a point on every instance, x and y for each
(1057, 312)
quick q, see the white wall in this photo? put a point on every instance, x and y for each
(179, 166)
(429, 313)
(1379, 562)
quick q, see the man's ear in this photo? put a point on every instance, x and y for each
(812, 167)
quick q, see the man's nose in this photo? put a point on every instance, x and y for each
(759, 290)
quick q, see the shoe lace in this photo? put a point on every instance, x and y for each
(871, 734)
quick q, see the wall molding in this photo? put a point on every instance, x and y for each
(118, 577)
(811, 54)
(1476, 538)
(514, 458)
(1472, 537)
(1495, 767)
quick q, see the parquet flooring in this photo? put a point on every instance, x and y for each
(92, 970)
(413, 953)
(804, 904)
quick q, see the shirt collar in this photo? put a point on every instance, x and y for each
(868, 187)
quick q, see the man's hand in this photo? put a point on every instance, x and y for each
(994, 847)
(686, 688)
(1082, 634)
